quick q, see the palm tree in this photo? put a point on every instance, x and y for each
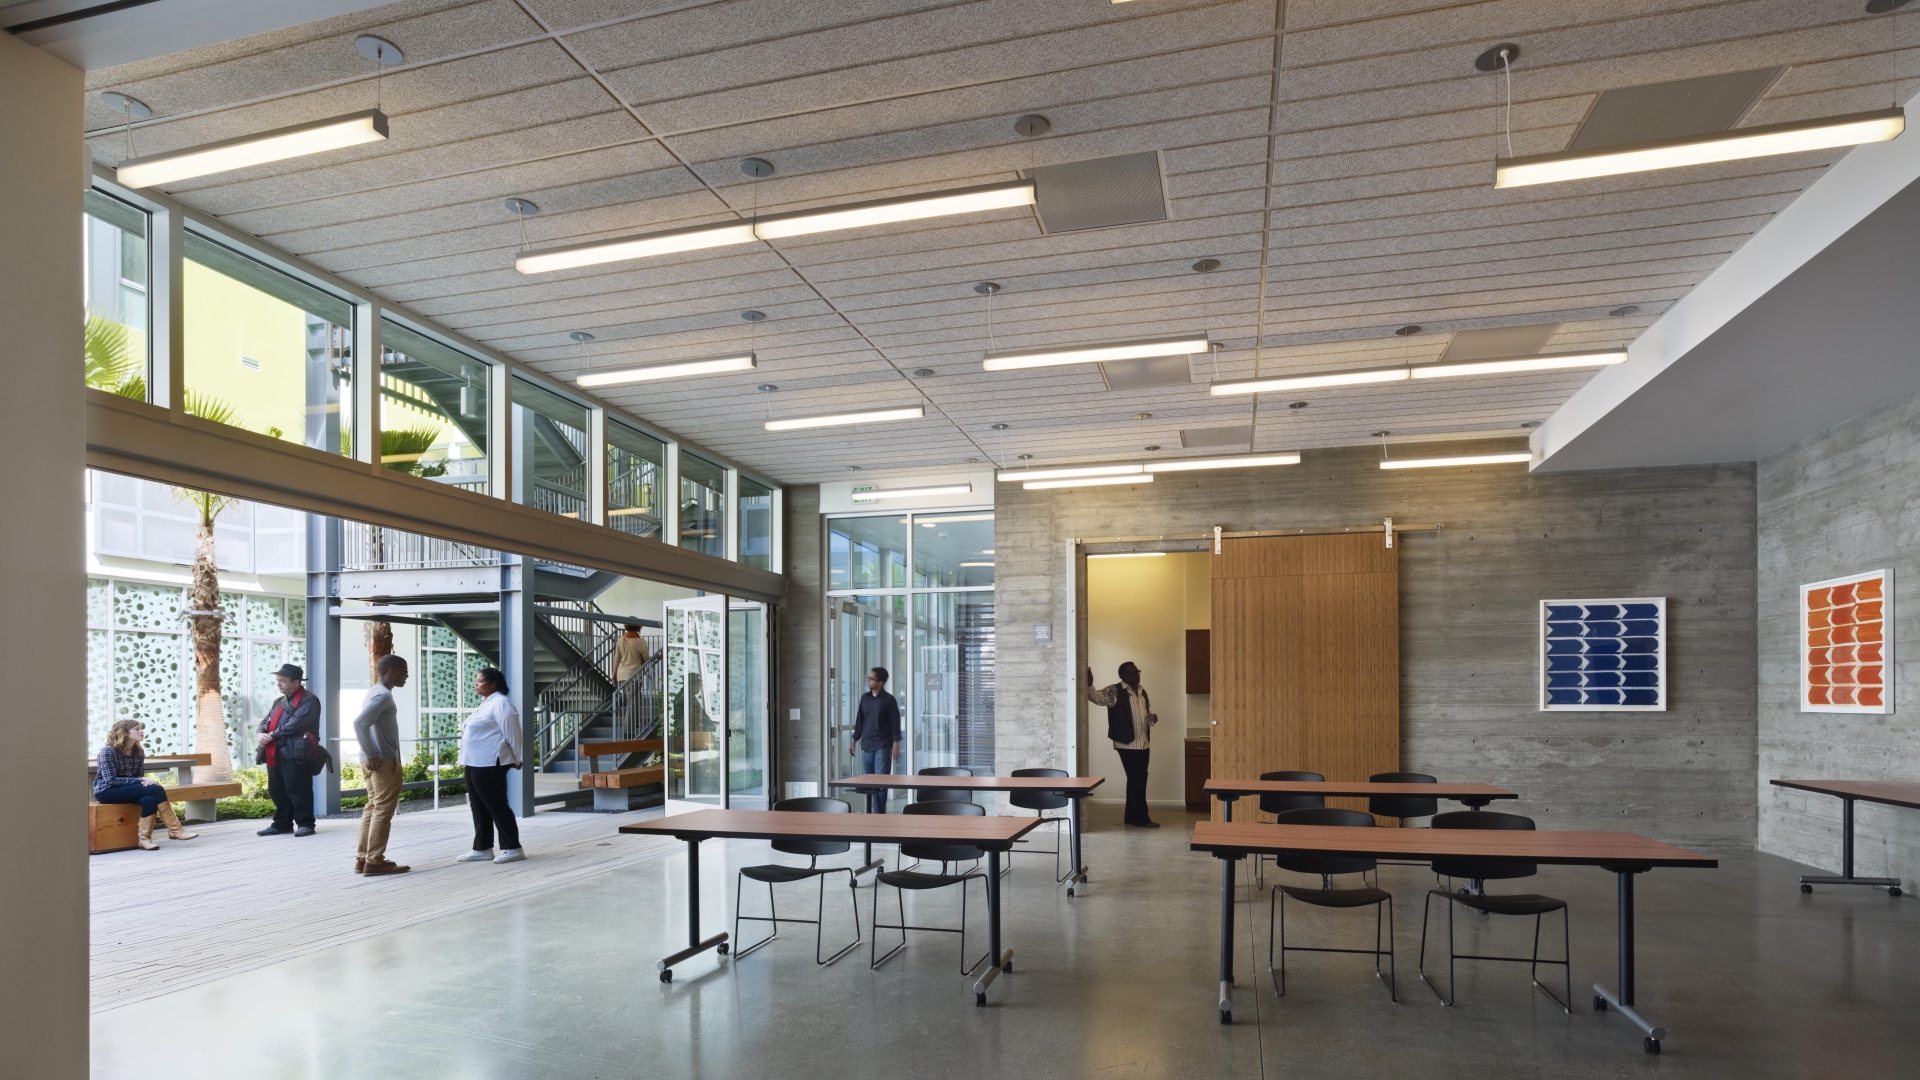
(204, 616)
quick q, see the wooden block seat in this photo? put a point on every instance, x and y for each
(622, 747)
(625, 778)
(113, 826)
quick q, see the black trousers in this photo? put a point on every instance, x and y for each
(1135, 762)
(290, 786)
(487, 798)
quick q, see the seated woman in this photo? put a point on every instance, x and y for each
(120, 777)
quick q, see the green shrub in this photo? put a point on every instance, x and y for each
(242, 807)
(253, 783)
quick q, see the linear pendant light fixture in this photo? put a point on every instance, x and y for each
(1131, 469)
(1070, 472)
(912, 493)
(1506, 366)
(1519, 458)
(775, 226)
(1793, 137)
(1244, 461)
(280, 144)
(872, 416)
(669, 369)
(1015, 359)
(1087, 481)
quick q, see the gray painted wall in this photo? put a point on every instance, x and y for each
(800, 640)
(1469, 618)
(1839, 503)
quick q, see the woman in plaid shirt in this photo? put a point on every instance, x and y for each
(120, 777)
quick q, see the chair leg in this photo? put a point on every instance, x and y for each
(874, 960)
(1279, 978)
(1566, 944)
(1452, 953)
(966, 968)
(1426, 917)
(1534, 968)
(772, 912)
(1393, 959)
(820, 922)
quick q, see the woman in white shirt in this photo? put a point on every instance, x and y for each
(489, 746)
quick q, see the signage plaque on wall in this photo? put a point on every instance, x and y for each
(1043, 631)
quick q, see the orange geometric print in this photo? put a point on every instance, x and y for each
(1842, 642)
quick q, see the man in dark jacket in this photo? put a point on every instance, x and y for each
(289, 742)
(877, 735)
(1129, 726)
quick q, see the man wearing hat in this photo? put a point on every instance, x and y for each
(289, 742)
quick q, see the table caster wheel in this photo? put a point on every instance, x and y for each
(1804, 887)
(1008, 967)
(1599, 1003)
(1893, 890)
(1226, 1016)
(667, 975)
(1652, 1046)
(1069, 890)
(721, 948)
(979, 1000)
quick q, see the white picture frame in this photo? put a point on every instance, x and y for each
(1598, 655)
(1822, 657)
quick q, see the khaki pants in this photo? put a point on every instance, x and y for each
(383, 794)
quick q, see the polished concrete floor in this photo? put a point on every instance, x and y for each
(1752, 978)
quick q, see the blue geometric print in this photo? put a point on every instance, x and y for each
(1603, 654)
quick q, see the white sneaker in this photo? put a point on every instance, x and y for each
(512, 854)
(476, 856)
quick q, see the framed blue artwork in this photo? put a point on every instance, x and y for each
(1603, 655)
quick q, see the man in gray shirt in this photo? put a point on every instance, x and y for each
(378, 729)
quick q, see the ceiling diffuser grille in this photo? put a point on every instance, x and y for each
(1149, 371)
(1496, 342)
(1670, 110)
(1239, 435)
(1124, 190)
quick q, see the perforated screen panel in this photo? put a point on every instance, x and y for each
(1094, 194)
(1670, 110)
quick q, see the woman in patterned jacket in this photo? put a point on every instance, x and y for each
(120, 777)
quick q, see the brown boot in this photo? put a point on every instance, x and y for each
(175, 830)
(145, 835)
(381, 869)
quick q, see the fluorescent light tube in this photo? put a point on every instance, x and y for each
(1514, 364)
(1129, 555)
(1768, 139)
(1087, 481)
(905, 208)
(873, 416)
(1520, 458)
(634, 247)
(909, 493)
(277, 145)
(1307, 382)
(669, 369)
(1245, 461)
(796, 223)
(1067, 471)
(976, 564)
(944, 519)
(1014, 359)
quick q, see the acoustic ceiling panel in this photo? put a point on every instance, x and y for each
(1498, 341)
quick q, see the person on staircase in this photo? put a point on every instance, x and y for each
(629, 656)
(490, 744)
(378, 730)
(289, 742)
(120, 777)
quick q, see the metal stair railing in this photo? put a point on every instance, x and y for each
(569, 704)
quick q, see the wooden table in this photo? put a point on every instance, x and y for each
(1074, 788)
(1474, 795)
(994, 834)
(1622, 854)
(1886, 792)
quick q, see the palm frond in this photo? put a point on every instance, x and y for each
(110, 358)
(406, 445)
(209, 504)
(208, 407)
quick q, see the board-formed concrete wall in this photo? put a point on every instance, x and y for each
(800, 641)
(1469, 620)
(1842, 502)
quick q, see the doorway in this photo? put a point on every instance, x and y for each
(716, 667)
(1139, 609)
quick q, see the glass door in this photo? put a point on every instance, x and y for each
(746, 758)
(696, 699)
(864, 632)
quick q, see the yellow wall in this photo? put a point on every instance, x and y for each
(226, 320)
(1139, 609)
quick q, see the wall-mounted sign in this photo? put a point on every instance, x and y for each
(1846, 652)
(1603, 655)
(1043, 631)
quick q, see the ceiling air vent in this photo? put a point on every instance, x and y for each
(1670, 110)
(1149, 371)
(1499, 341)
(1194, 438)
(1095, 194)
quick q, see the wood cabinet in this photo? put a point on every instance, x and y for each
(1199, 662)
(1199, 768)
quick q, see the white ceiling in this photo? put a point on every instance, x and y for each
(1339, 171)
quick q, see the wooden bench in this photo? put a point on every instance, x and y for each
(115, 826)
(609, 788)
(625, 778)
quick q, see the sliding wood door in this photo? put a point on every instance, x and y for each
(1306, 658)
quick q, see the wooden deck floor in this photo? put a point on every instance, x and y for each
(231, 901)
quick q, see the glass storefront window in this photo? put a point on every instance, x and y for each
(549, 451)
(266, 351)
(636, 465)
(866, 552)
(115, 256)
(953, 639)
(696, 698)
(747, 706)
(703, 505)
(952, 550)
(756, 524)
(433, 401)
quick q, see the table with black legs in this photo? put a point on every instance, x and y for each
(1074, 788)
(1476, 796)
(996, 835)
(1885, 792)
(1621, 854)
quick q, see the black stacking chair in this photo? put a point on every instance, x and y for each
(1402, 806)
(773, 873)
(903, 880)
(1482, 870)
(1329, 897)
(1280, 804)
(944, 796)
(1042, 801)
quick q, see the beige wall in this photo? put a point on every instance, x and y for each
(1139, 609)
(43, 642)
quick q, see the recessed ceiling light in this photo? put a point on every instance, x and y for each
(1206, 266)
(1738, 144)
(580, 336)
(1468, 459)
(776, 226)
(923, 373)
(1086, 481)
(869, 416)
(279, 144)
(670, 369)
(752, 316)
(1015, 359)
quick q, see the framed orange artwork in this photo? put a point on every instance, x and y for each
(1846, 644)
